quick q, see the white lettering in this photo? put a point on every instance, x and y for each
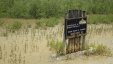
(69, 31)
(72, 26)
(82, 29)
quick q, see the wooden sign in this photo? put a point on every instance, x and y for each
(75, 29)
(75, 23)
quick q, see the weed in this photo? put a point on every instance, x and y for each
(1, 23)
(0, 53)
(100, 18)
(100, 49)
(14, 26)
(52, 22)
(39, 24)
(44, 22)
(29, 26)
(56, 46)
(5, 34)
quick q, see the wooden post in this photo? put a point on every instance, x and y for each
(74, 45)
(83, 43)
(75, 28)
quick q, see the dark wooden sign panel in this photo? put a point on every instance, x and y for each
(72, 26)
(75, 23)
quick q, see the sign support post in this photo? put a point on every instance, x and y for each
(75, 31)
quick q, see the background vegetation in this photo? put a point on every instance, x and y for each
(51, 8)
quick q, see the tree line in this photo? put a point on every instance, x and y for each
(52, 8)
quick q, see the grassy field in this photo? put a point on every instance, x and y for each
(25, 41)
(31, 31)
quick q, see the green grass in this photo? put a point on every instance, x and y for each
(40, 23)
(46, 22)
(100, 18)
(52, 22)
(1, 23)
(91, 19)
(91, 49)
(14, 26)
(97, 49)
(56, 46)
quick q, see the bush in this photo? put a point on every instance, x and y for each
(19, 9)
(52, 8)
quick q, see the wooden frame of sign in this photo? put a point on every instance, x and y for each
(75, 29)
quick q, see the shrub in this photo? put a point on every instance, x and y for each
(51, 8)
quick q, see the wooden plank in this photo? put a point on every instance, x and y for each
(83, 43)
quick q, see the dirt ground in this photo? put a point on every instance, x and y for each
(30, 46)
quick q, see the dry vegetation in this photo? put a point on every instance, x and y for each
(22, 43)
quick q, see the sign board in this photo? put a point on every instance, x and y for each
(75, 23)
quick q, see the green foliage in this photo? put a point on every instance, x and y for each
(52, 8)
(40, 24)
(15, 26)
(100, 18)
(52, 22)
(19, 10)
(56, 46)
(46, 22)
(100, 49)
(35, 9)
(1, 23)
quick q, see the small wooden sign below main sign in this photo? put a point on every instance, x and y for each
(75, 23)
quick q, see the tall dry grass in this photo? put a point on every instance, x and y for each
(30, 43)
